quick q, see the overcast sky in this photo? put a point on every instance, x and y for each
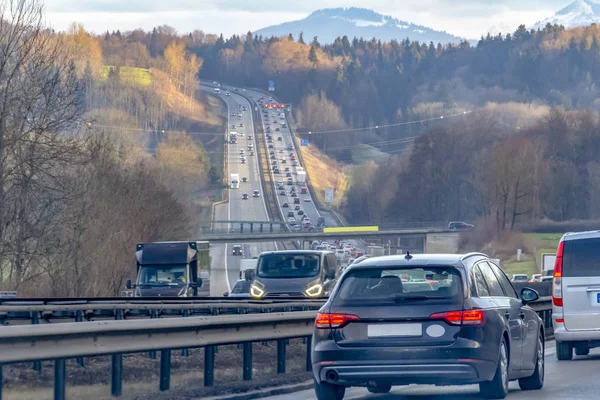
(467, 18)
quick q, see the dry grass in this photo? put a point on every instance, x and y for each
(130, 75)
(324, 173)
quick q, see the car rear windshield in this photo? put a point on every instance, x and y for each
(581, 258)
(401, 284)
(288, 265)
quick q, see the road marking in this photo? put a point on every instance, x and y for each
(228, 206)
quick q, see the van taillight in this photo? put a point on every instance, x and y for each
(557, 279)
(334, 321)
(466, 318)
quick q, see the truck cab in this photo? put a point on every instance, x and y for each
(172, 269)
(295, 273)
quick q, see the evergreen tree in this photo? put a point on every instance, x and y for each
(301, 38)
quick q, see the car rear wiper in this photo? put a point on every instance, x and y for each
(404, 298)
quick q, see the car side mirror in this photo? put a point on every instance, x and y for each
(225, 294)
(128, 284)
(529, 295)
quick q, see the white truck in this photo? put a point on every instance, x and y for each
(376, 251)
(235, 181)
(301, 177)
(217, 90)
(247, 264)
(233, 137)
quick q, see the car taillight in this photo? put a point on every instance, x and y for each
(334, 321)
(466, 318)
(557, 279)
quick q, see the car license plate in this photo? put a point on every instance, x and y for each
(395, 330)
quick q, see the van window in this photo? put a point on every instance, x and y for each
(581, 258)
(288, 265)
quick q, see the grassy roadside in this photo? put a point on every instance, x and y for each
(324, 173)
(531, 263)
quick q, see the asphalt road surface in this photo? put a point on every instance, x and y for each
(225, 267)
(568, 380)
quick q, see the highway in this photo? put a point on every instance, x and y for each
(570, 380)
(224, 266)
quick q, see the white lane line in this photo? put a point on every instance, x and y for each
(228, 204)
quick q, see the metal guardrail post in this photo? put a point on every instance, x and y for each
(79, 318)
(116, 381)
(242, 228)
(35, 319)
(209, 365)
(165, 370)
(60, 377)
(281, 347)
(308, 353)
(247, 361)
(153, 314)
(185, 352)
(271, 227)
(251, 228)
(1, 382)
(261, 228)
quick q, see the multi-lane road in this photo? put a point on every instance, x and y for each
(225, 267)
(570, 380)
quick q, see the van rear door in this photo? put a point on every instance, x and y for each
(581, 284)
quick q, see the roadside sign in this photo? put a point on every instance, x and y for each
(271, 86)
(304, 142)
(329, 196)
(9, 294)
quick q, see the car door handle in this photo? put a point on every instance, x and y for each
(522, 315)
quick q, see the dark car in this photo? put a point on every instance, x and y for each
(297, 208)
(244, 179)
(241, 289)
(290, 214)
(296, 200)
(279, 138)
(459, 225)
(300, 212)
(245, 196)
(285, 205)
(288, 174)
(427, 319)
(237, 250)
(282, 192)
(270, 146)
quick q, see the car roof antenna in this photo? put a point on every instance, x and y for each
(408, 257)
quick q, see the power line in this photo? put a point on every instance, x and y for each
(394, 125)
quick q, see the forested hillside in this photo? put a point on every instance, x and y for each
(94, 154)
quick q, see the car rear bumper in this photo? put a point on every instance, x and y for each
(563, 335)
(361, 374)
(465, 362)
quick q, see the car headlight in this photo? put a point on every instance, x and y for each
(314, 290)
(257, 290)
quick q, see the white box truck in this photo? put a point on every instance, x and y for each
(301, 177)
(247, 264)
(235, 181)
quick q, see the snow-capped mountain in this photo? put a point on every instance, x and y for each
(328, 24)
(578, 13)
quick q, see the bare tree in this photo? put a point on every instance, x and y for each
(40, 106)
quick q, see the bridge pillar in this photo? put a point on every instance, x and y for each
(251, 228)
(242, 228)
(261, 228)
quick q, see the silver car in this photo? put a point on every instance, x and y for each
(576, 294)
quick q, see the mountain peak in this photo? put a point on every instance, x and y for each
(578, 13)
(329, 23)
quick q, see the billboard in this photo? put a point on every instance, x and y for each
(351, 229)
(271, 86)
(328, 192)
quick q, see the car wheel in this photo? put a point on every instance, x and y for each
(380, 388)
(327, 391)
(564, 351)
(582, 349)
(497, 388)
(535, 381)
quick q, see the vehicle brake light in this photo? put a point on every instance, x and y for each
(466, 318)
(334, 321)
(557, 279)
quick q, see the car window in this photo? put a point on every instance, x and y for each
(397, 285)
(492, 282)
(581, 258)
(480, 284)
(508, 288)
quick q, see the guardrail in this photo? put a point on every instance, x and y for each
(59, 342)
